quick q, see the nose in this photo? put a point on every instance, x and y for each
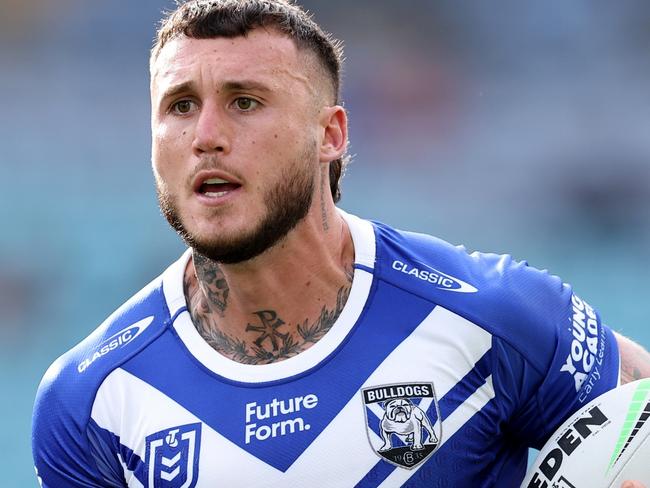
(210, 132)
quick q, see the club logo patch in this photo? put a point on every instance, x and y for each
(402, 421)
(173, 457)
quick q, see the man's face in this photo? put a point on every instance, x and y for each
(235, 136)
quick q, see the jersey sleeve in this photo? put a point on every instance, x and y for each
(64, 450)
(561, 354)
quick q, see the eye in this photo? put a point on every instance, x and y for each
(246, 104)
(183, 107)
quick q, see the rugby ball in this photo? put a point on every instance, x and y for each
(602, 445)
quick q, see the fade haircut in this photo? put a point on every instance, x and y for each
(209, 19)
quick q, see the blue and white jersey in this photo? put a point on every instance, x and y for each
(441, 370)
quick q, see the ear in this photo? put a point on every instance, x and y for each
(334, 125)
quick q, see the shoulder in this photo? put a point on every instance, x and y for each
(127, 331)
(451, 276)
(65, 396)
(508, 298)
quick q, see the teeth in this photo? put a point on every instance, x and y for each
(215, 194)
(214, 181)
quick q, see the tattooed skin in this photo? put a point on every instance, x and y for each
(268, 329)
(213, 282)
(271, 337)
(635, 360)
(323, 210)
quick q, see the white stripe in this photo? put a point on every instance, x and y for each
(443, 348)
(117, 410)
(450, 426)
(132, 409)
(343, 440)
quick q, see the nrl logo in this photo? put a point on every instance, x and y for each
(402, 422)
(173, 457)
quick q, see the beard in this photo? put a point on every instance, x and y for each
(287, 203)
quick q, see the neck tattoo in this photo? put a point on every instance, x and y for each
(268, 337)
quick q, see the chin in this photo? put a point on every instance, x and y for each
(233, 247)
(229, 235)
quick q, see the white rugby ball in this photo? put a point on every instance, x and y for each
(602, 445)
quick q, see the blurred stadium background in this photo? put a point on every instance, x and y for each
(519, 127)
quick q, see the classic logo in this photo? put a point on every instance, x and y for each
(402, 422)
(440, 280)
(120, 339)
(173, 457)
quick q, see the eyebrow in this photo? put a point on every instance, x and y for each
(229, 86)
(175, 90)
(245, 85)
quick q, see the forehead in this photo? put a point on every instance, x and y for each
(264, 55)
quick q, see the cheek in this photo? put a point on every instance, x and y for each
(167, 147)
(163, 137)
(287, 145)
(283, 137)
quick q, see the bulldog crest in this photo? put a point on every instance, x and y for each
(173, 457)
(402, 422)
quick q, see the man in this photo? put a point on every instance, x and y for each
(294, 344)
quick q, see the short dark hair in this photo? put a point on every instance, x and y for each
(208, 19)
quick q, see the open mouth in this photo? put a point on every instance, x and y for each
(217, 187)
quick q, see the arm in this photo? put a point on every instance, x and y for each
(69, 449)
(635, 360)
(635, 364)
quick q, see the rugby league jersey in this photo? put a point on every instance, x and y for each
(441, 370)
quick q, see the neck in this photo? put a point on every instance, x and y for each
(280, 303)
